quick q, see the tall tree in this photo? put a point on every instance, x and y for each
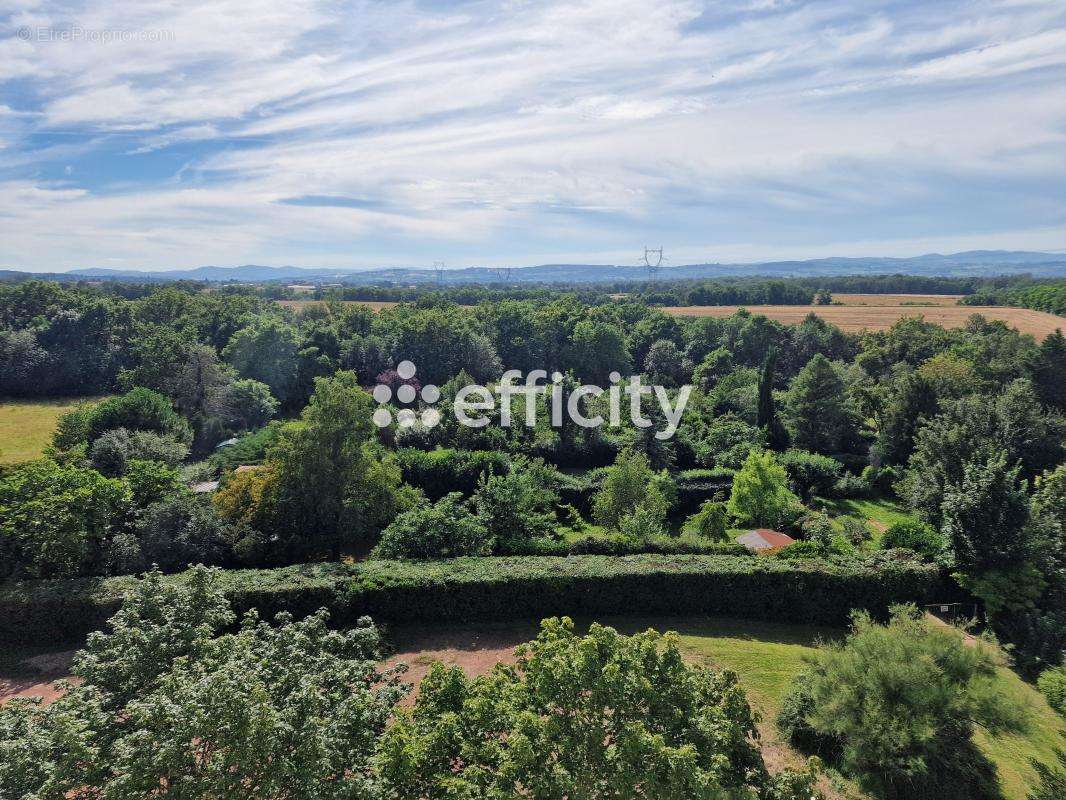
(817, 410)
(766, 419)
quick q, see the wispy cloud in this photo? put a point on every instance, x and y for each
(401, 132)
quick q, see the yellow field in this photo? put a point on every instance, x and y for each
(879, 318)
(300, 305)
(26, 425)
(897, 299)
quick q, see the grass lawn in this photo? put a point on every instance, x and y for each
(26, 425)
(878, 514)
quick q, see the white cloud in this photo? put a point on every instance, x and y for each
(526, 127)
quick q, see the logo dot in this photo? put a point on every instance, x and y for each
(382, 418)
(382, 393)
(406, 393)
(430, 393)
(406, 370)
(406, 418)
(430, 417)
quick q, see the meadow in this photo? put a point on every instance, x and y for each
(26, 426)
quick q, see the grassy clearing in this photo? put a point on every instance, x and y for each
(878, 514)
(26, 425)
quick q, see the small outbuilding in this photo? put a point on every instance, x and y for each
(763, 540)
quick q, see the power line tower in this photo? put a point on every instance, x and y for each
(653, 259)
(438, 267)
(503, 273)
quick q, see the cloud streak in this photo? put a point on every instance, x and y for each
(487, 132)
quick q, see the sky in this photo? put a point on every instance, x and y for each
(362, 134)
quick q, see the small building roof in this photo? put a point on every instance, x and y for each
(765, 539)
(204, 487)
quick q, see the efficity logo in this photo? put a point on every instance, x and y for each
(473, 400)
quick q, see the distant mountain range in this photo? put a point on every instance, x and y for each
(972, 263)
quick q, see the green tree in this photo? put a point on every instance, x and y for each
(517, 506)
(760, 494)
(662, 364)
(445, 529)
(597, 716)
(55, 520)
(898, 703)
(247, 404)
(139, 409)
(1048, 370)
(911, 402)
(916, 536)
(266, 351)
(630, 483)
(332, 489)
(597, 349)
(766, 418)
(816, 409)
(710, 522)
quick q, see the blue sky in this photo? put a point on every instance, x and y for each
(179, 134)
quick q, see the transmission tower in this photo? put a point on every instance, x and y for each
(438, 267)
(503, 273)
(653, 259)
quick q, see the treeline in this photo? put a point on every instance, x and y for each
(1049, 296)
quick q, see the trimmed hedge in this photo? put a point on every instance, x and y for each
(439, 472)
(529, 587)
(618, 545)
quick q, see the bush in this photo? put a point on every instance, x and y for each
(518, 506)
(442, 471)
(630, 483)
(851, 486)
(760, 494)
(138, 410)
(710, 522)
(916, 536)
(1052, 684)
(640, 525)
(524, 587)
(184, 530)
(445, 529)
(902, 700)
(248, 449)
(113, 450)
(809, 473)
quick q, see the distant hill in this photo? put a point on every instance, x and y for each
(974, 263)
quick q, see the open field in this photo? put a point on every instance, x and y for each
(897, 299)
(300, 305)
(26, 425)
(879, 318)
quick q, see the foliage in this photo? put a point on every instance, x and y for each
(810, 474)
(817, 412)
(630, 483)
(766, 418)
(112, 452)
(292, 709)
(248, 404)
(55, 520)
(1052, 779)
(445, 529)
(916, 536)
(444, 470)
(900, 701)
(760, 494)
(332, 489)
(185, 529)
(139, 409)
(710, 522)
(1052, 684)
(266, 351)
(518, 506)
(517, 587)
(595, 716)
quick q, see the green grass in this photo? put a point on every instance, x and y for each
(26, 425)
(878, 514)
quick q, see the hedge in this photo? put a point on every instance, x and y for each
(438, 472)
(465, 589)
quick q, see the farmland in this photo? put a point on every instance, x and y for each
(853, 319)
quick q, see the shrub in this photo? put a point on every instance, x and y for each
(854, 531)
(139, 409)
(710, 522)
(901, 700)
(640, 525)
(1052, 684)
(464, 589)
(916, 536)
(851, 486)
(184, 530)
(760, 494)
(629, 483)
(809, 473)
(113, 450)
(150, 482)
(518, 506)
(442, 471)
(445, 529)
(248, 403)
(251, 448)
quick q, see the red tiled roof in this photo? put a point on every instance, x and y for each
(765, 539)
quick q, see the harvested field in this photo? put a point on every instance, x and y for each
(26, 426)
(879, 318)
(299, 305)
(897, 299)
